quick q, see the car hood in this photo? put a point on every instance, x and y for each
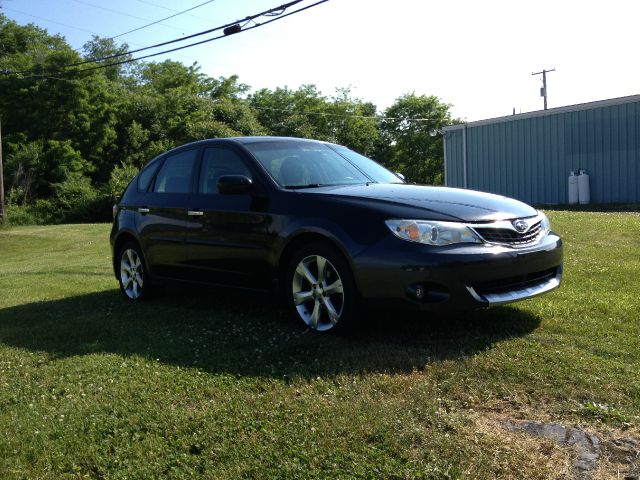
(454, 203)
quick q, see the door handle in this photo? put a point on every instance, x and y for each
(143, 210)
(195, 213)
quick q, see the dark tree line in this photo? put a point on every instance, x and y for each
(72, 139)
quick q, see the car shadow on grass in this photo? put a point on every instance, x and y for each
(247, 334)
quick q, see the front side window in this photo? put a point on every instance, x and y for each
(218, 162)
(175, 174)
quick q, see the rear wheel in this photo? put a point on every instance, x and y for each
(135, 282)
(320, 289)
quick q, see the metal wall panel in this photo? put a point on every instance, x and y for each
(529, 156)
(453, 150)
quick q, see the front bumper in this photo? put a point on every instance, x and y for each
(396, 272)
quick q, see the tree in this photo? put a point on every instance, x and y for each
(99, 47)
(292, 113)
(228, 88)
(44, 99)
(307, 113)
(171, 76)
(174, 104)
(412, 137)
(73, 135)
(354, 122)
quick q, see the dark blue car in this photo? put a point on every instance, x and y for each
(329, 229)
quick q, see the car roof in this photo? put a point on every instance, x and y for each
(249, 140)
(271, 139)
(238, 140)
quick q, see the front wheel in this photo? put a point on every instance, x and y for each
(135, 282)
(320, 289)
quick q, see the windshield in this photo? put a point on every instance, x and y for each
(296, 164)
(374, 170)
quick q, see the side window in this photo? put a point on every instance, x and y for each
(145, 177)
(217, 162)
(175, 174)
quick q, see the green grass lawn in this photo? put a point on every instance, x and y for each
(222, 385)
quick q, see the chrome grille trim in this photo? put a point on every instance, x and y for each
(504, 233)
(509, 237)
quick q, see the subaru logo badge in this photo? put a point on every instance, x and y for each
(520, 226)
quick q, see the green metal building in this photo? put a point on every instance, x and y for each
(529, 156)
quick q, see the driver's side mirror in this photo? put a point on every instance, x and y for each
(234, 184)
(400, 176)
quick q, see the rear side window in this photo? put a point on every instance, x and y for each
(175, 174)
(145, 177)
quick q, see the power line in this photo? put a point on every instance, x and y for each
(326, 114)
(235, 25)
(50, 21)
(176, 40)
(118, 12)
(182, 39)
(170, 9)
(163, 19)
(225, 27)
(157, 5)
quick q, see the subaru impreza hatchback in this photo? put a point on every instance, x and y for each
(328, 229)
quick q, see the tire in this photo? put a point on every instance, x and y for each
(320, 290)
(135, 282)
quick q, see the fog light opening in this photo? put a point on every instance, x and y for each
(427, 292)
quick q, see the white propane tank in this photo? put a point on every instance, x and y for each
(573, 188)
(584, 194)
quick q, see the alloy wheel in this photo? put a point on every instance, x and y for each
(318, 293)
(131, 274)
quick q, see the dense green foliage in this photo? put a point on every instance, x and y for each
(73, 135)
(221, 385)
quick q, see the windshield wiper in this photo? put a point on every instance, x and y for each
(308, 185)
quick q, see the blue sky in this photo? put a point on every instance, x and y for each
(476, 55)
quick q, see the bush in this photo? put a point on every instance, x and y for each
(76, 200)
(19, 212)
(120, 177)
(22, 215)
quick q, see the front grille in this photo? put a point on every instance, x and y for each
(515, 283)
(505, 236)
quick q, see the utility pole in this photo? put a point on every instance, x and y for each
(1, 178)
(543, 90)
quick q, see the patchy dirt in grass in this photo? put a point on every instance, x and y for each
(595, 456)
(567, 451)
(545, 458)
(586, 446)
(621, 458)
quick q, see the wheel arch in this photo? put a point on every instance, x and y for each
(297, 241)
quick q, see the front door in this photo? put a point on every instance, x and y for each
(227, 240)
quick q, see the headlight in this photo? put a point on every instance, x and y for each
(545, 225)
(432, 233)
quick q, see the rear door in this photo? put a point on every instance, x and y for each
(227, 240)
(162, 215)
